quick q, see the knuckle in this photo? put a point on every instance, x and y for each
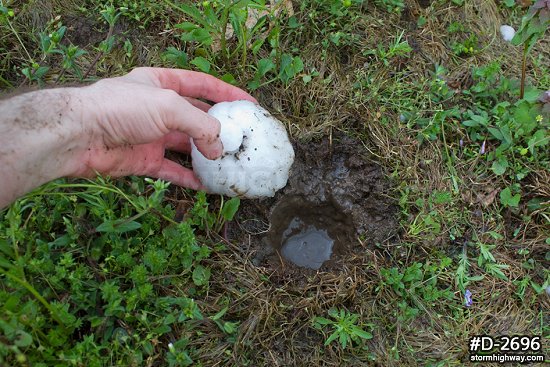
(170, 96)
(211, 128)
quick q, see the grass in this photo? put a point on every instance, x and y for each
(135, 272)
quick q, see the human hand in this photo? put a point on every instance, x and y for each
(131, 120)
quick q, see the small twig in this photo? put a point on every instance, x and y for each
(225, 231)
(100, 54)
(59, 77)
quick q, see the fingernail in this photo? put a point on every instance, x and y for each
(215, 150)
(218, 150)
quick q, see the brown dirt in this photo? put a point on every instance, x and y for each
(334, 185)
(83, 32)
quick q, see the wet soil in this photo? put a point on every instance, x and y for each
(336, 194)
(308, 234)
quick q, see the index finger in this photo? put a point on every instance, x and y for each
(192, 84)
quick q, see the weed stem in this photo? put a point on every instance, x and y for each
(523, 71)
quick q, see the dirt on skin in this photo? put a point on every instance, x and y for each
(334, 189)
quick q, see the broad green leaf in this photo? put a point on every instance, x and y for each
(236, 24)
(118, 226)
(186, 26)
(421, 22)
(257, 45)
(476, 120)
(41, 71)
(525, 116)
(531, 94)
(230, 208)
(476, 278)
(107, 45)
(362, 333)
(23, 339)
(265, 66)
(194, 13)
(286, 60)
(230, 327)
(229, 78)
(496, 133)
(220, 314)
(198, 35)
(127, 226)
(323, 321)
(496, 270)
(253, 84)
(45, 43)
(175, 56)
(293, 22)
(331, 338)
(506, 135)
(538, 139)
(297, 65)
(343, 340)
(201, 63)
(442, 197)
(524, 31)
(211, 17)
(507, 199)
(500, 166)
(201, 275)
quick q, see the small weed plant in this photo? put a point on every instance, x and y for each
(213, 23)
(344, 327)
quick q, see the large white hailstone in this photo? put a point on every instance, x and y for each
(257, 154)
(507, 32)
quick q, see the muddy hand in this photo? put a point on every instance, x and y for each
(134, 118)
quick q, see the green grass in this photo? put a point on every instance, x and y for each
(135, 272)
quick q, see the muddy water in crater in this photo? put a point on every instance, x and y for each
(335, 193)
(306, 233)
(309, 248)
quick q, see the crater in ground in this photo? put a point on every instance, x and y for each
(337, 202)
(308, 234)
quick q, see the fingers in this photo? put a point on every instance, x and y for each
(177, 142)
(191, 84)
(181, 176)
(179, 115)
(203, 106)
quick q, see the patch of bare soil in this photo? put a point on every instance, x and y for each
(336, 202)
(82, 31)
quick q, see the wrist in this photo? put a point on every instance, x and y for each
(41, 132)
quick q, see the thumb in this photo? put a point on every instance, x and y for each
(182, 116)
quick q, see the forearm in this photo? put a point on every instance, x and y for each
(117, 127)
(40, 134)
